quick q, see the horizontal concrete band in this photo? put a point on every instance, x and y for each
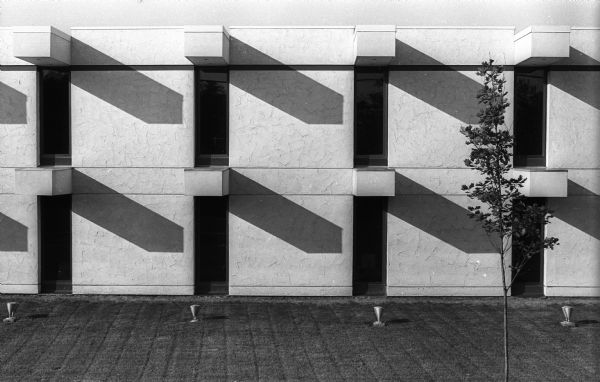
(444, 290)
(19, 288)
(134, 289)
(572, 291)
(290, 290)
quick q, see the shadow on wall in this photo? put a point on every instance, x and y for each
(439, 217)
(13, 105)
(288, 90)
(13, 235)
(438, 85)
(125, 218)
(125, 88)
(580, 210)
(283, 218)
(587, 91)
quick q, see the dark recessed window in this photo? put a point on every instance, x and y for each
(530, 279)
(210, 242)
(55, 120)
(55, 243)
(370, 226)
(211, 116)
(530, 117)
(370, 117)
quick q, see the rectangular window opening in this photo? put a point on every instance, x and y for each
(530, 280)
(210, 243)
(369, 264)
(212, 93)
(530, 117)
(55, 116)
(370, 117)
(55, 243)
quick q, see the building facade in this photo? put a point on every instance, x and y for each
(203, 157)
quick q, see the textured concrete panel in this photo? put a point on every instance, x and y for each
(300, 242)
(6, 49)
(585, 47)
(433, 248)
(292, 46)
(453, 45)
(573, 267)
(18, 244)
(425, 111)
(291, 118)
(7, 180)
(255, 181)
(158, 181)
(128, 46)
(18, 118)
(129, 118)
(132, 244)
(573, 119)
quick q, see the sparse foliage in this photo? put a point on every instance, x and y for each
(502, 210)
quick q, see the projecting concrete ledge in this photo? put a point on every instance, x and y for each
(206, 44)
(542, 45)
(373, 181)
(543, 182)
(46, 181)
(374, 44)
(206, 181)
(42, 45)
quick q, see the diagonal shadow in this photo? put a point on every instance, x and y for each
(288, 90)
(125, 218)
(585, 218)
(126, 88)
(436, 84)
(439, 217)
(283, 218)
(13, 105)
(13, 235)
(590, 93)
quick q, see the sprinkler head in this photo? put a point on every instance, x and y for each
(378, 313)
(567, 310)
(195, 309)
(12, 309)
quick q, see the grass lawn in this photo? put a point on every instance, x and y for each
(96, 338)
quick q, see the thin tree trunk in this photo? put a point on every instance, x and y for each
(505, 335)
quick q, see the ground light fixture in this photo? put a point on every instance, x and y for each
(567, 310)
(194, 309)
(12, 309)
(378, 314)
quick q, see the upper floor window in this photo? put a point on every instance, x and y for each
(55, 116)
(211, 116)
(370, 116)
(530, 117)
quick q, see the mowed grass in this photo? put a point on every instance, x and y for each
(95, 338)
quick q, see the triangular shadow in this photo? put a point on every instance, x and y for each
(13, 105)
(13, 235)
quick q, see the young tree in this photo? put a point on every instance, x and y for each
(503, 212)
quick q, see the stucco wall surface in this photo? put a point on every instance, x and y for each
(140, 244)
(433, 248)
(18, 244)
(573, 119)
(453, 46)
(132, 118)
(290, 245)
(291, 118)
(18, 118)
(573, 267)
